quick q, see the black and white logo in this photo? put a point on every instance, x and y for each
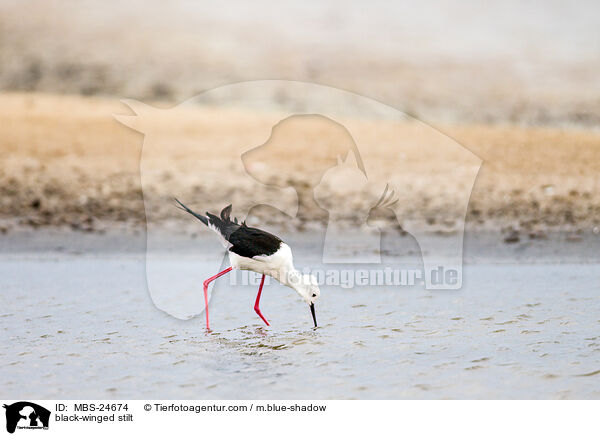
(26, 415)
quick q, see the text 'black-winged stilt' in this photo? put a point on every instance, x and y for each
(259, 251)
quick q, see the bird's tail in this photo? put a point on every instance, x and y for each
(191, 212)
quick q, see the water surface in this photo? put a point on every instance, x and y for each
(83, 326)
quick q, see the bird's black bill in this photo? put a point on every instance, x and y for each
(312, 311)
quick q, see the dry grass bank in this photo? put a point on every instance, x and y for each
(66, 161)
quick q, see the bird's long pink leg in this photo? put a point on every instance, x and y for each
(257, 303)
(206, 283)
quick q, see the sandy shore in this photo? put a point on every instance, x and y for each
(66, 161)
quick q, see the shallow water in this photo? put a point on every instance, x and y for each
(83, 326)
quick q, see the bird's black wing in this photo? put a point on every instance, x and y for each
(223, 224)
(249, 242)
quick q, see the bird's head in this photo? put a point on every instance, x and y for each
(308, 288)
(312, 293)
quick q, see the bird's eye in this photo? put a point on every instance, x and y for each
(314, 295)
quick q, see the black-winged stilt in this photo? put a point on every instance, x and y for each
(256, 250)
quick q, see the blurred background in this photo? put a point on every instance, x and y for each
(514, 82)
(526, 62)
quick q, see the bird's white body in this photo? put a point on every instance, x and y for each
(277, 265)
(280, 266)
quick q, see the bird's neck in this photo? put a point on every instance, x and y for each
(296, 280)
(290, 276)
